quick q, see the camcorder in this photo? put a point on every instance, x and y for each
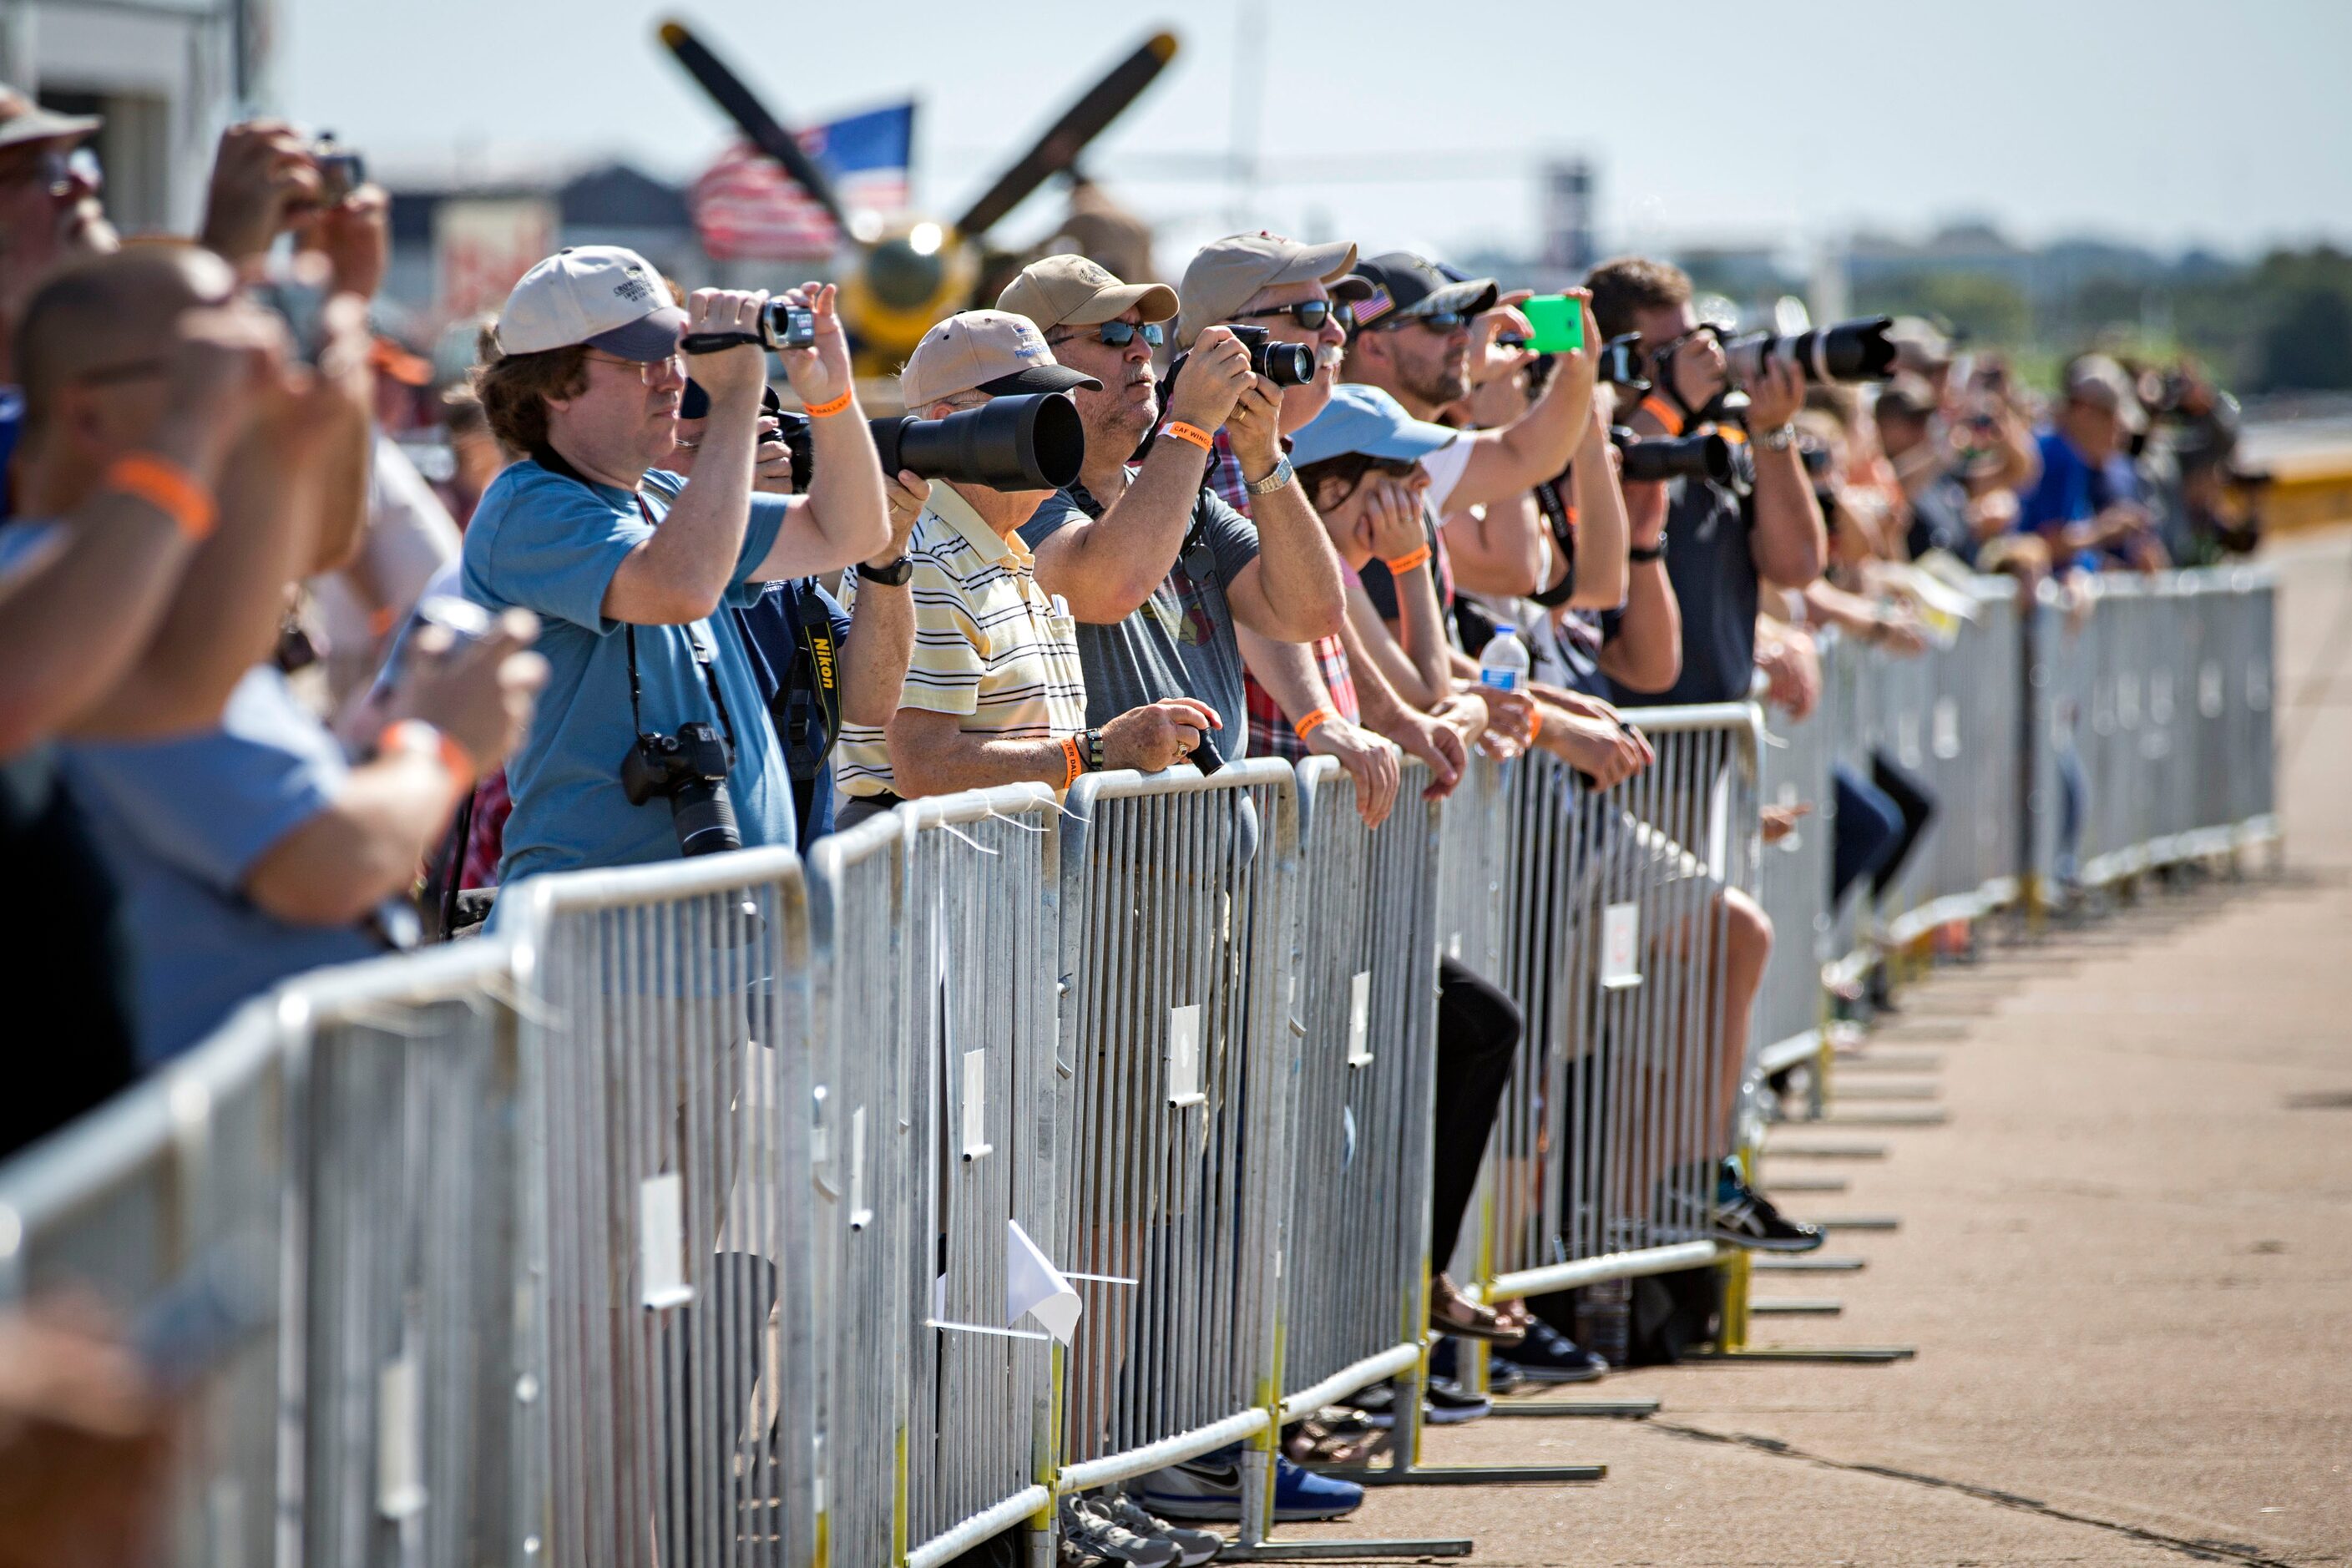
(688, 769)
(1848, 352)
(1032, 442)
(1709, 454)
(780, 325)
(341, 170)
(1285, 364)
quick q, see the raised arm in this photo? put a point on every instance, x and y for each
(1647, 653)
(1292, 590)
(845, 518)
(1789, 543)
(1602, 530)
(1521, 455)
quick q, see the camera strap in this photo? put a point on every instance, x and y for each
(810, 694)
(1561, 515)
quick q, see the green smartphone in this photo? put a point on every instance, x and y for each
(1558, 322)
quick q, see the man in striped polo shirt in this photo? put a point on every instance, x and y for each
(994, 692)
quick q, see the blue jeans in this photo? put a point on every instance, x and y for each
(1869, 830)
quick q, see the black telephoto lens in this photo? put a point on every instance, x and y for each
(1031, 442)
(704, 817)
(1652, 459)
(1848, 351)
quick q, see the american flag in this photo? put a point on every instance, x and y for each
(749, 209)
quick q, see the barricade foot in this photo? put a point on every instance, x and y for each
(1472, 1475)
(1769, 1263)
(1861, 1222)
(1343, 1551)
(1935, 1118)
(1796, 1307)
(1824, 1150)
(1848, 1356)
(1602, 1409)
(1810, 1184)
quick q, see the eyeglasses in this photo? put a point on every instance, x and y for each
(59, 170)
(1311, 314)
(1119, 334)
(1435, 320)
(649, 371)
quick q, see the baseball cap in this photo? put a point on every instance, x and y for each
(604, 296)
(1401, 284)
(993, 351)
(22, 121)
(1361, 418)
(1919, 344)
(2100, 382)
(1905, 396)
(1227, 272)
(1073, 292)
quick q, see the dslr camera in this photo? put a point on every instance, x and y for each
(1848, 351)
(1708, 455)
(689, 770)
(1285, 364)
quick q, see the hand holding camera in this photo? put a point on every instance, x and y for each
(354, 235)
(736, 373)
(1157, 735)
(815, 349)
(477, 691)
(1216, 373)
(266, 178)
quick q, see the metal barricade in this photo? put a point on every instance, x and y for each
(167, 1206)
(667, 1080)
(1355, 1246)
(1176, 901)
(1794, 875)
(1603, 1161)
(411, 1268)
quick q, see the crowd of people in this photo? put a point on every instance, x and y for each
(274, 701)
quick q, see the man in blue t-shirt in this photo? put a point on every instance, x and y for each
(2086, 503)
(630, 567)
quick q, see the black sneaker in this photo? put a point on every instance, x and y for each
(1546, 1355)
(1746, 1217)
(1503, 1373)
(1442, 1403)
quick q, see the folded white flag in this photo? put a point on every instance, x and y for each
(1034, 1287)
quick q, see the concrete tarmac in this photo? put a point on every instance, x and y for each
(2124, 1260)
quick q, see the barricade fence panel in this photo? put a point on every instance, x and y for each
(708, 1214)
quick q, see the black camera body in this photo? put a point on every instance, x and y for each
(1708, 455)
(780, 325)
(1848, 351)
(689, 770)
(1621, 364)
(1285, 364)
(341, 170)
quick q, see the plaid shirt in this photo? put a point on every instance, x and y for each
(1270, 731)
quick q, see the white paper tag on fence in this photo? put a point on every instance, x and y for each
(1454, 945)
(858, 1213)
(975, 1105)
(399, 1440)
(661, 1241)
(1034, 1287)
(1621, 943)
(1945, 719)
(1184, 1054)
(2209, 690)
(1359, 1019)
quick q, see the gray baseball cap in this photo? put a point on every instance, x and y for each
(23, 120)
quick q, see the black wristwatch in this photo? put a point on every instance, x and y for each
(894, 575)
(1095, 762)
(1654, 553)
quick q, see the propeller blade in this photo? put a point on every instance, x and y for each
(766, 132)
(1059, 148)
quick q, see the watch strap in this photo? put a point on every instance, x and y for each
(1653, 553)
(894, 575)
(1282, 475)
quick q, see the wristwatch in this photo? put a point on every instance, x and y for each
(1095, 762)
(1777, 439)
(894, 575)
(1273, 481)
(1653, 553)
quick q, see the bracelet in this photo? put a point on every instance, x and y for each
(168, 488)
(1648, 552)
(827, 409)
(416, 735)
(1313, 722)
(1096, 762)
(1073, 760)
(1192, 434)
(1407, 562)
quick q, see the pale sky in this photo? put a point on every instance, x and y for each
(2155, 120)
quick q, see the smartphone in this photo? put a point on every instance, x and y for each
(1559, 322)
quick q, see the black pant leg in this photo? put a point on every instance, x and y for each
(1912, 798)
(1478, 1033)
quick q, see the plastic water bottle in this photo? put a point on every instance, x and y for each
(1504, 662)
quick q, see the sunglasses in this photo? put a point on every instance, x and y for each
(1119, 334)
(1311, 314)
(1435, 320)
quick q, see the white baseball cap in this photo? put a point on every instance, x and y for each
(605, 296)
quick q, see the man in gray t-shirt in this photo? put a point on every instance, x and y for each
(1155, 567)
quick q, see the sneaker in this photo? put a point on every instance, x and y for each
(1194, 1546)
(1550, 1356)
(1503, 1374)
(1447, 1404)
(1089, 1530)
(1746, 1217)
(1210, 1487)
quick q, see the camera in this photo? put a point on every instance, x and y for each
(1034, 441)
(1848, 351)
(688, 769)
(1285, 364)
(1708, 455)
(781, 324)
(342, 171)
(1621, 364)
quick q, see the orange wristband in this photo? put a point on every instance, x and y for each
(1189, 433)
(416, 735)
(1074, 759)
(1407, 562)
(168, 488)
(1313, 722)
(826, 410)
(1664, 413)
(1535, 722)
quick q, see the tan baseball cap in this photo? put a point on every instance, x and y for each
(1226, 273)
(22, 119)
(1072, 292)
(985, 350)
